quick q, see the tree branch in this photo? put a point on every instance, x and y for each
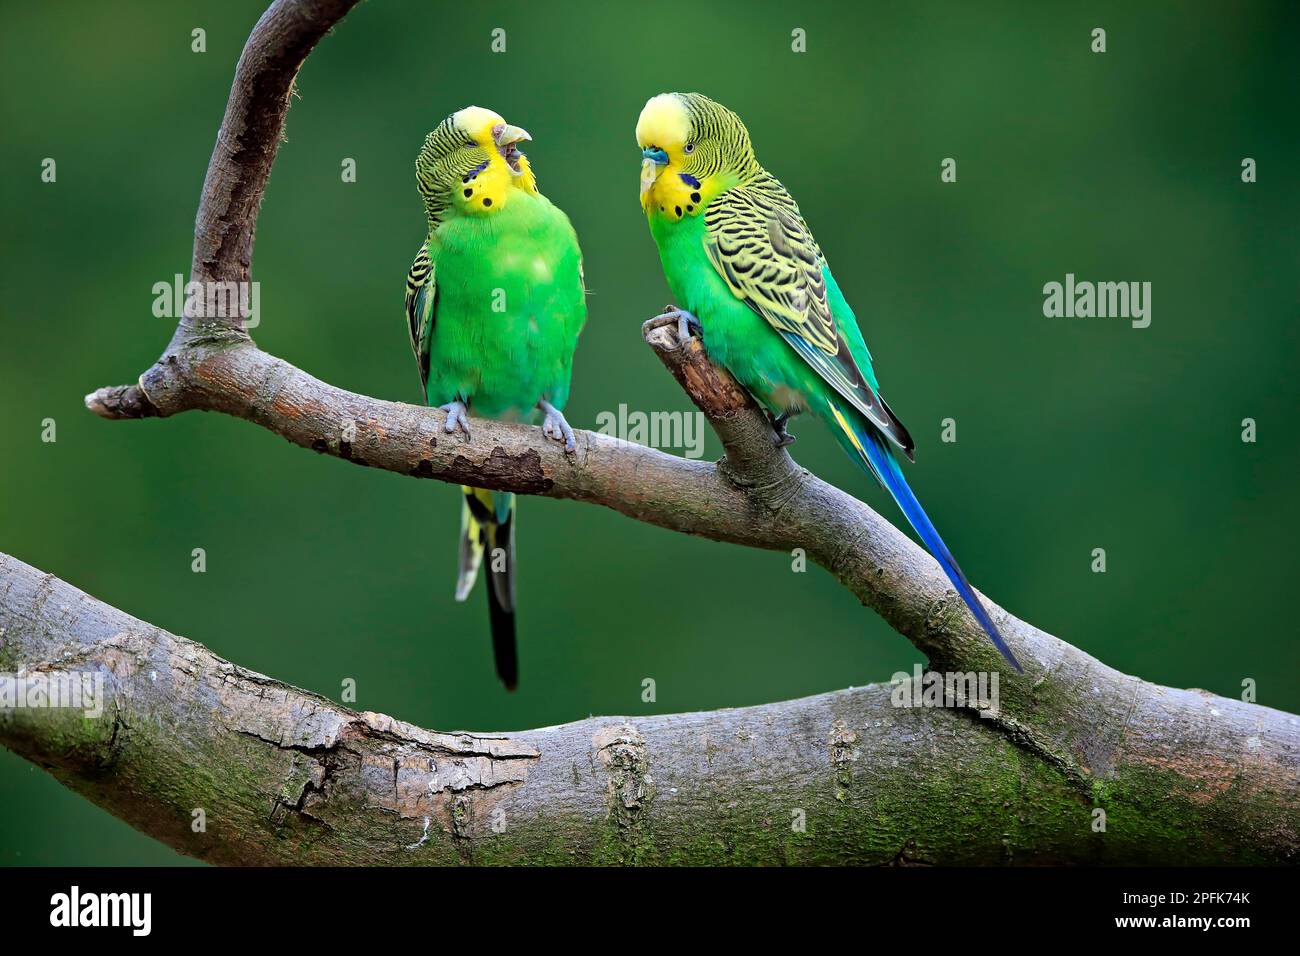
(282, 776)
(1070, 734)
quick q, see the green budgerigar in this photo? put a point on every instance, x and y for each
(749, 276)
(494, 303)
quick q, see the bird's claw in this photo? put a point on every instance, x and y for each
(687, 324)
(457, 416)
(783, 437)
(555, 427)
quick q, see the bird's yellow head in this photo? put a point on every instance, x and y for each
(471, 162)
(691, 149)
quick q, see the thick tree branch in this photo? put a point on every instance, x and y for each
(1070, 733)
(283, 776)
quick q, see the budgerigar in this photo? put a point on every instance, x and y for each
(495, 302)
(748, 275)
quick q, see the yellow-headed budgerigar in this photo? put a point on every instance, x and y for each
(748, 275)
(494, 303)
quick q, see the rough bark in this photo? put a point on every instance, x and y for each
(1182, 775)
(286, 777)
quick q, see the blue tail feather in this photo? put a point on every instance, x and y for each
(886, 468)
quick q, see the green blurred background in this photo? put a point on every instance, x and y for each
(1072, 434)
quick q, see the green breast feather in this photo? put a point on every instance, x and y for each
(498, 327)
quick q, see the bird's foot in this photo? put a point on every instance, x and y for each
(555, 427)
(687, 324)
(457, 416)
(783, 437)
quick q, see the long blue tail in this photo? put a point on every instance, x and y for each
(860, 438)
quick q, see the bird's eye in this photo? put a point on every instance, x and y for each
(690, 148)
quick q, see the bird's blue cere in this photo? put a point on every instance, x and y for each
(658, 155)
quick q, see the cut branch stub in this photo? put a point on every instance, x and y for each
(753, 459)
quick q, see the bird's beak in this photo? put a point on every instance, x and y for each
(651, 166)
(649, 173)
(505, 135)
